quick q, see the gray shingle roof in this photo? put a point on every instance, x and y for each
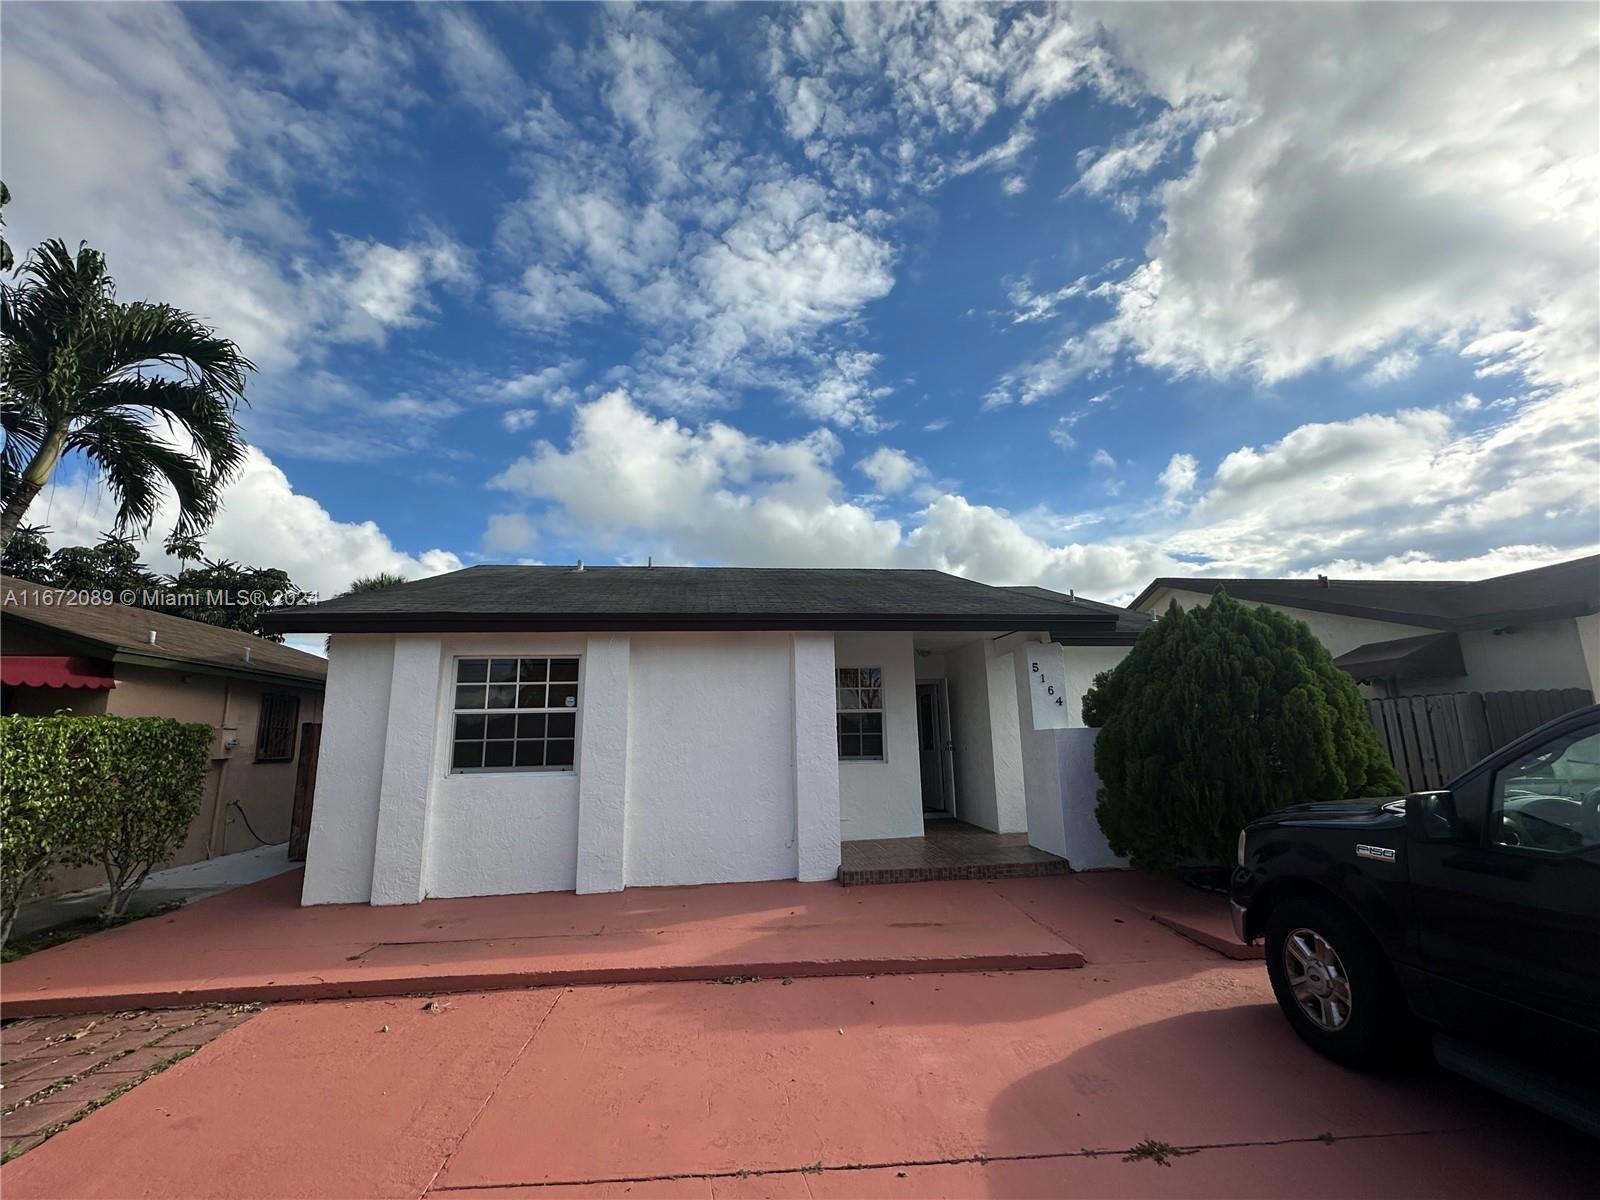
(1545, 593)
(507, 597)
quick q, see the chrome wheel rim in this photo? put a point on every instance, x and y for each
(1317, 979)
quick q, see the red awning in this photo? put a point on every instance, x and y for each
(55, 670)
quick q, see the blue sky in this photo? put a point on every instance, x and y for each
(1069, 295)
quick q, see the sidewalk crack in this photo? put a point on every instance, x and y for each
(493, 1092)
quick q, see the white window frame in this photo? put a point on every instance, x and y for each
(547, 710)
(840, 711)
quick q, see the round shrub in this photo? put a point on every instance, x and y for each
(1221, 714)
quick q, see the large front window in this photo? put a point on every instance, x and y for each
(860, 699)
(515, 714)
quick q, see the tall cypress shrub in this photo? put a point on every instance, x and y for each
(1221, 714)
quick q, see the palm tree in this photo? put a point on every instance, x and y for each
(84, 372)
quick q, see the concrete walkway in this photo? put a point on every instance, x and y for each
(192, 881)
(1161, 1069)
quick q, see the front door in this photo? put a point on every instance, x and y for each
(930, 748)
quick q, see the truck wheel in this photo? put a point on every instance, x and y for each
(1333, 984)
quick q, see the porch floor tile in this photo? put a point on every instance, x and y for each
(948, 849)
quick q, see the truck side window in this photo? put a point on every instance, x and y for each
(1549, 799)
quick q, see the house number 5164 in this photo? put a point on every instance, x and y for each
(1049, 688)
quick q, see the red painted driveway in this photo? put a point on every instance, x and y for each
(1032, 1083)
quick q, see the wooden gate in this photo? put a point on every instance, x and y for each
(1432, 739)
(305, 787)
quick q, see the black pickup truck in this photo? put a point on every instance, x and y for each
(1472, 913)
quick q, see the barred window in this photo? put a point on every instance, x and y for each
(860, 700)
(515, 714)
(280, 715)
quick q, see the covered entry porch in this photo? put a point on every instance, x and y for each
(981, 755)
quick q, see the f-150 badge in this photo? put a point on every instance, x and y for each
(1376, 853)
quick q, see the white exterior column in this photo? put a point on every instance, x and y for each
(399, 868)
(1005, 734)
(603, 765)
(816, 759)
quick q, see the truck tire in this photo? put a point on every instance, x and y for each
(1334, 985)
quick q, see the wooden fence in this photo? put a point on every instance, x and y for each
(1432, 739)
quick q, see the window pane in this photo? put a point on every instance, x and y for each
(563, 724)
(849, 746)
(469, 728)
(564, 669)
(872, 746)
(502, 670)
(530, 726)
(558, 753)
(871, 677)
(502, 695)
(497, 754)
(847, 698)
(502, 727)
(872, 723)
(468, 754)
(469, 697)
(535, 670)
(871, 698)
(472, 670)
(530, 696)
(530, 754)
(563, 695)
(849, 724)
(849, 677)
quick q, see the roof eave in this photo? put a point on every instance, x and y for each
(304, 621)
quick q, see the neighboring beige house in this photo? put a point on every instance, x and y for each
(1533, 630)
(62, 655)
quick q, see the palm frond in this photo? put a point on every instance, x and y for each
(135, 464)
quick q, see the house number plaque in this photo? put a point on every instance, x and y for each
(1047, 683)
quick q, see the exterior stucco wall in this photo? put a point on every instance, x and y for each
(344, 819)
(1085, 844)
(700, 758)
(984, 717)
(884, 799)
(816, 757)
(1058, 764)
(503, 832)
(1550, 654)
(710, 759)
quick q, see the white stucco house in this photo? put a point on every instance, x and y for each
(521, 729)
(1532, 630)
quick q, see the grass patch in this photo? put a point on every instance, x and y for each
(1160, 1153)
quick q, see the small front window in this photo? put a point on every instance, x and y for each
(515, 714)
(860, 712)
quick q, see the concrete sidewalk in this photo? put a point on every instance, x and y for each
(190, 882)
(256, 943)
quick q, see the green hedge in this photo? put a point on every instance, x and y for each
(1218, 715)
(117, 791)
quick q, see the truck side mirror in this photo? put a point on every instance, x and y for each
(1432, 817)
